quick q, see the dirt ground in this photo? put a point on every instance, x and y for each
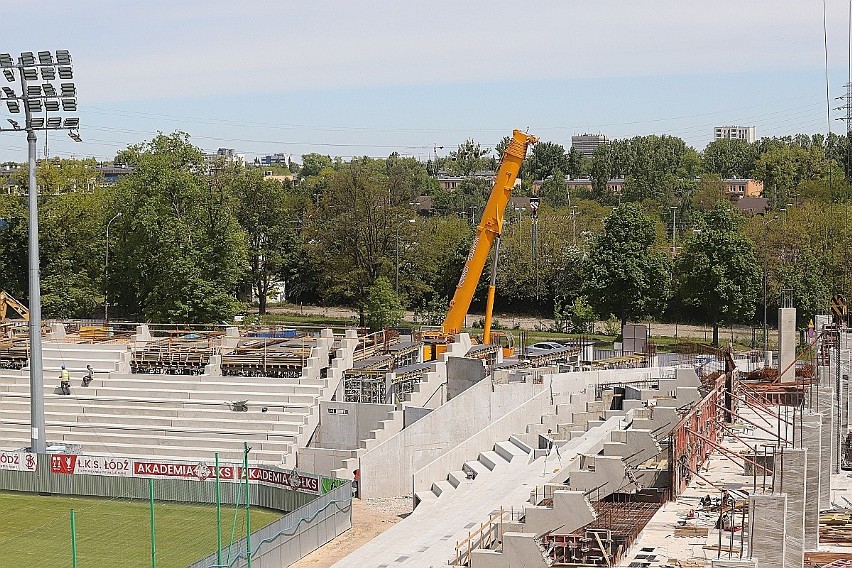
(370, 517)
(742, 335)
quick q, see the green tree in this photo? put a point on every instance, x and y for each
(468, 159)
(269, 215)
(382, 305)
(357, 230)
(179, 251)
(313, 164)
(718, 271)
(729, 158)
(624, 275)
(546, 159)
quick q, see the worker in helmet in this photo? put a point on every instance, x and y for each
(64, 381)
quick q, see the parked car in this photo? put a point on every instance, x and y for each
(543, 347)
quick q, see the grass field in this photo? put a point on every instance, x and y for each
(35, 531)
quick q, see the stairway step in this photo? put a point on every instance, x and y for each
(490, 459)
(421, 497)
(508, 450)
(456, 478)
(524, 447)
(441, 487)
(476, 467)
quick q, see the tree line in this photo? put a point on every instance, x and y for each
(196, 240)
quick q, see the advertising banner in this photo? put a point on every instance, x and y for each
(91, 465)
(18, 461)
(199, 471)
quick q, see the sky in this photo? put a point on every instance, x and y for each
(367, 77)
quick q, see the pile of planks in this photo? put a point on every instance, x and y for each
(836, 526)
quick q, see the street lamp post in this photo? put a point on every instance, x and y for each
(765, 280)
(37, 99)
(674, 231)
(574, 225)
(106, 269)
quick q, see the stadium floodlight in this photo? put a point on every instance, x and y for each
(35, 100)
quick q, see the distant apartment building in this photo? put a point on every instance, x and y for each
(277, 159)
(229, 154)
(734, 133)
(613, 185)
(739, 188)
(586, 144)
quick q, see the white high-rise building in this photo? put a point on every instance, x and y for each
(734, 133)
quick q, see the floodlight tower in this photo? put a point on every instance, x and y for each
(38, 100)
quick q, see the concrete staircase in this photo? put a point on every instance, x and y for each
(486, 462)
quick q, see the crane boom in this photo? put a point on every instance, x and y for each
(7, 301)
(488, 230)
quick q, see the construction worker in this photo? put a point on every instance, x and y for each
(89, 376)
(64, 381)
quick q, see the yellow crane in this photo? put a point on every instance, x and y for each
(487, 236)
(7, 301)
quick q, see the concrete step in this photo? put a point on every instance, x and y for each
(458, 477)
(490, 459)
(508, 450)
(441, 487)
(524, 446)
(422, 497)
(476, 467)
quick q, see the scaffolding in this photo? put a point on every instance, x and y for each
(267, 357)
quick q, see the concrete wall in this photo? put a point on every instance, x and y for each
(387, 470)
(463, 373)
(322, 461)
(498, 431)
(349, 423)
(412, 414)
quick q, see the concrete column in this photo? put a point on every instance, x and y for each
(767, 537)
(793, 481)
(787, 343)
(825, 406)
(809, 437)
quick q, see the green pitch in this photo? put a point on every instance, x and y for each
(35, 531)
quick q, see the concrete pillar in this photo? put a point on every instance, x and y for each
(793, 481)
(809, 437)
(767, 537)
(825, 406)
(787, 344)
